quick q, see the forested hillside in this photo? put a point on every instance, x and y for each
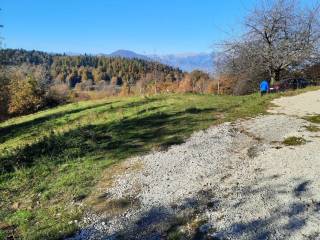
(77, 69)
(33, 80)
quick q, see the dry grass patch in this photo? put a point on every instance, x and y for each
(115, 207)
(312, 128)
(100, 200)
(294, 141)
(313, 119)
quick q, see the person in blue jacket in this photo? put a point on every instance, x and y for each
(264, 87)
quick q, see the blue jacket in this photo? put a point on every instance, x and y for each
(264, 86)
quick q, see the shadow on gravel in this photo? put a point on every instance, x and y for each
(283, 222)
(162, 222)
(301, 188)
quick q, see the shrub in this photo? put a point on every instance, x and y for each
(125, 89)
(4, 96)
(25, 95)
(58, 94)
(212, 87)
(95, 95)
(86, 85)
(80, 96)
(186, 85)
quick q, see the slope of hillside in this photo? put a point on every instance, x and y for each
(249, 179)
(50, 161)
(76, 69)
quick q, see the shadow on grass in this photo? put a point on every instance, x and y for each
(15, 130)
(116, 140)
(30, 126)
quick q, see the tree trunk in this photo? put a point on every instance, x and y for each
(155, 87)
(129, 89)
(273, 78)
(274, 75)
(277, 75)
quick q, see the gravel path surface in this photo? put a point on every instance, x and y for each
(232, 181)
(301, 105)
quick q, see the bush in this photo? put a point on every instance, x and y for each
(4, 96)
(125, 90)
(86, 85)
(91, 95)
(58, 94)
(186, 85)
(25, 95)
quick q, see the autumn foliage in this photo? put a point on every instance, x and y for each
(36, 80)
(25, 95)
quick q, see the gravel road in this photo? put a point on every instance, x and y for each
(236, 181)
(300, 105)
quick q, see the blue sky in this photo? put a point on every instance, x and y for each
(103, 26)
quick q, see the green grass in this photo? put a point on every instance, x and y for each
(313, 119)
(50, 161)
(312, 128)
(294, 141)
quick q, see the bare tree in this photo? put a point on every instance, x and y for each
(285, 35)
(280, 36)
(242, 63)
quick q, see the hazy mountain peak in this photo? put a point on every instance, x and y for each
(185, 61)
(128, 54)
(188, 61)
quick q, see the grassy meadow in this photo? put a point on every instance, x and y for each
(51, 161)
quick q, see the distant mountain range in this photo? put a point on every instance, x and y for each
(186, 62)
(128, 54)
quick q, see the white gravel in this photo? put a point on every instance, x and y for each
(259, 188)
(300, 105)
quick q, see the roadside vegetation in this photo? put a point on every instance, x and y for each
(51, 160)
(313, 119)
(294, 141)
(312, 128)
